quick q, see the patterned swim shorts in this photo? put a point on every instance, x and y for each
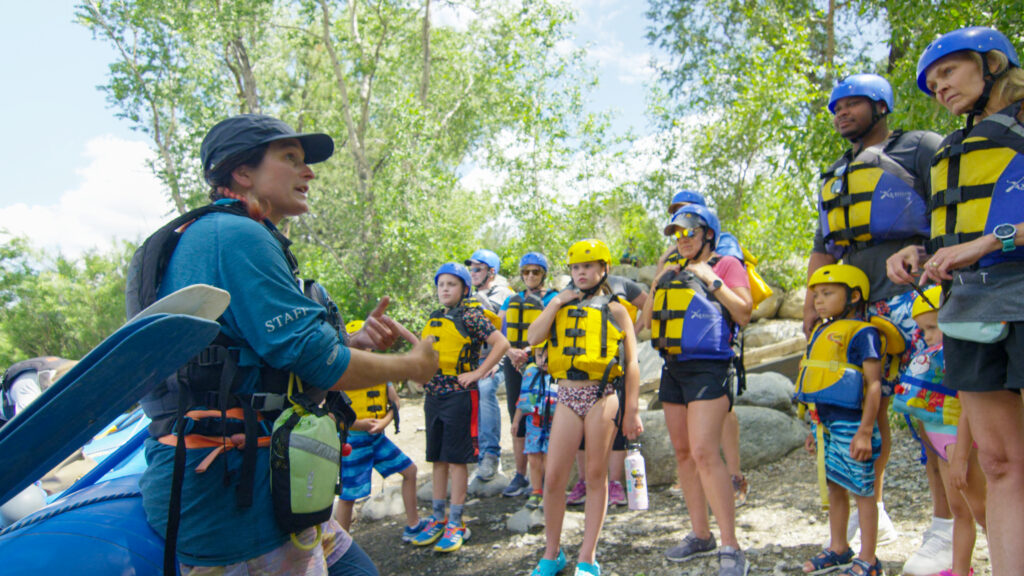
(580, 399)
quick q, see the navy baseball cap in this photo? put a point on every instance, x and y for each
(246, 131)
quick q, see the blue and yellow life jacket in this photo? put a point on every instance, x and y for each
(978, 183)
(687, 322)
(370, 402)
(523, 309)
(585, 341)
(826, 374)
(871, 198)
(921, 394)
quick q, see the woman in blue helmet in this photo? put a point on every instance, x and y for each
(977, 229)
(517, 313)
(698, 299)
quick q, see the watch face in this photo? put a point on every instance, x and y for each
(1004, 231)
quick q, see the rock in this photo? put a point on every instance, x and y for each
(768, 307)
(768, 332)
(767, 435)
(524, 519)
(481, 489)
(650, 362)
(646, 274)
(793, 305)
(425, 493)
(659, 456)
(626, 271)
(384, 504)
(768, 390)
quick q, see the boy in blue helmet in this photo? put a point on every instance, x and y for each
(484, 266)
(872, 203)
(459, 330)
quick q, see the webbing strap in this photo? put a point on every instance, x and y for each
(820, 454)
(830, 365)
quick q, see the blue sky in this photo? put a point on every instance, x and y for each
(75, 175)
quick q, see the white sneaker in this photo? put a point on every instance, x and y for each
(887, 532)
(934, 555)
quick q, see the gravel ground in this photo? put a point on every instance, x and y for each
(780, 527)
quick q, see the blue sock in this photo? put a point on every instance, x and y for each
(438, 509)
(456, 514)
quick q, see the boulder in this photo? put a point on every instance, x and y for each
(793, 305)
(524, 519)
(626, 271)
(767, 435)
(646, 274)
(386, 503)
(650, 362)
(768, 390)
(486, 489)
(768, 332)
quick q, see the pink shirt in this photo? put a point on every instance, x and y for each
(732, 272)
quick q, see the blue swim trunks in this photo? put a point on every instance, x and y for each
(369, 452)
(537, 436)
(857, 477)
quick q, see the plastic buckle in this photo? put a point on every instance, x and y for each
(211, 356)
(266, 402)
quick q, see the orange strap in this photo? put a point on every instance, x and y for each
(220, 444)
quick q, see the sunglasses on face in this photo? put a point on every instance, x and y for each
(477, 269)
(686, 232)
(532, 272)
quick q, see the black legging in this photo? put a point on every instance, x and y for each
(513, 385)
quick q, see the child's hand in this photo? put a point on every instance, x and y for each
(376, 425)
(860, 446)
(632, 426)
(568, 295)
(809, 443)
(467, 378)
(518, 356)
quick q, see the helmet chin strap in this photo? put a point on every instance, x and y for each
(986, 92)
(589, 292)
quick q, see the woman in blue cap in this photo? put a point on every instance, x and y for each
(977, 228)
(225, 521)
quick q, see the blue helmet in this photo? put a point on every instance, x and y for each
(695, 215)
(685, 196)
(979, 39)
(457, 270)
(486, 257)
(535, 258)
(870, 86)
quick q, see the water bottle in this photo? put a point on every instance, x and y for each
(636, 477)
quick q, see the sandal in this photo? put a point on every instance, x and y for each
(865, 568)
(550, 567)
(829, 560)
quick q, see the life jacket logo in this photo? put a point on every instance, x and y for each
(697, 315)
(1016, 185)
(836, 338)
(890, 194)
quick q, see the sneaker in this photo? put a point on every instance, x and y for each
(409, 533)
(616, 494)
(732, 562)
(431, 532)
(454, 536)
(887, 532)
(578, 495)
(534, 502)
(519, 486)
(934, 555)
(691, 547)
(676, 490)
(488, 467)
(740, 488)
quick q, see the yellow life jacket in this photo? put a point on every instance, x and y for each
(452, 341)
(978, 183)
(871, 198)
(826, 374)
(585, 341)
(523, 309)
(687, 322)
(370, 402)
(472, 302)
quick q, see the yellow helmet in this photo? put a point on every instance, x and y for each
(590, 250)
(933, 294)
(844, 274)
(354, 326)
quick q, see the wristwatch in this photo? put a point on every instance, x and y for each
(716, 284)
(1006, 233)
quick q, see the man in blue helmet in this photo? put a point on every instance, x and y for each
(873, 202)
(484, 266)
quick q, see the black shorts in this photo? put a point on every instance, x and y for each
(513, 386)
(977, 367)
(452, 422)
(685, 382)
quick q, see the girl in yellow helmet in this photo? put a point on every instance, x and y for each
(591, 352)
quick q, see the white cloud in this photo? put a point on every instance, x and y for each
(117, 198)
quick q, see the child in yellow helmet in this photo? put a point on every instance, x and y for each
(841, 379)
(923, 393)
(591, 352)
